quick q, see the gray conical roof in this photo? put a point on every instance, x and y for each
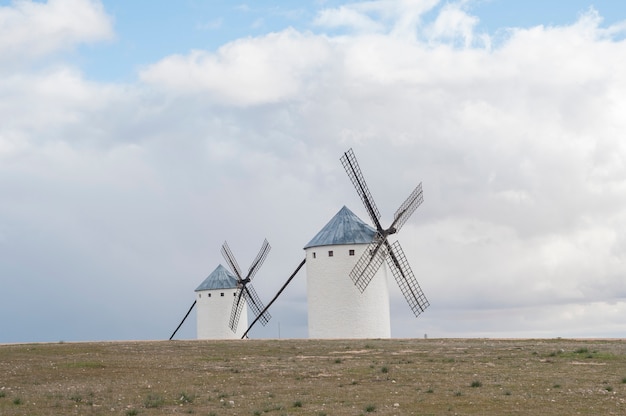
(344, 228)
(220, 278)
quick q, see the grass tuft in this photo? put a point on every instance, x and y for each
(153, 401)
(75, 397)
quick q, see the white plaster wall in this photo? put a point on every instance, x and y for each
(213, 315)
(336, 307)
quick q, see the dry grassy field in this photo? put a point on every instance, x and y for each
(311, 377)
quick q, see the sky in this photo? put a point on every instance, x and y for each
(137, 137)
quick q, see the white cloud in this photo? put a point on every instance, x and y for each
(453, 23)
(349, 17)
(50, 99)
(518, 147)
(400, 18)
(31, 30)
(244, 72)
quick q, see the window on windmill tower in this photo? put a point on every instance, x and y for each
(234, 293)
(313, 254)
(209, 295)
(330, 253)
(222, 294)
(351, 252)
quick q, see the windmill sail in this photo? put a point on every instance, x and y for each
(245, 291)
(407, 208)
(369, 263)
(350, 164)
(380, 249)
(406, 280)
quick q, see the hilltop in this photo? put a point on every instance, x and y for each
(315, 377)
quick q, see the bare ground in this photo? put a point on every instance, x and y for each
(314, 377)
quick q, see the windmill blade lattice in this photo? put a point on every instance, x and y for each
(406, 280)
(245, 291)
(408, 207)
(380, 248)
(350, 164)
(256, 305)
(369, 263)
(235, 311)
(258, 261)
(230, 259)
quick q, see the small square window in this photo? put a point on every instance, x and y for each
(351, 252)
(222, 294)
(235, 294)
(209, 295)
(330, 253)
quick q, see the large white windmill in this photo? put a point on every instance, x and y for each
(223, 297)
(358, 306)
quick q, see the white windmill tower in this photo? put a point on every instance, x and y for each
(336, 307)
(214, 298)
(222, 299)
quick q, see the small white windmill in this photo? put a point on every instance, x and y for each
(222, 298)
(214, 298)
